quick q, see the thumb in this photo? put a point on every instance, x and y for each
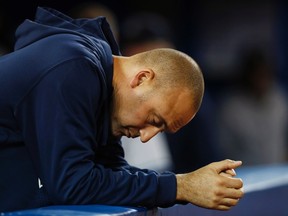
(227, 164)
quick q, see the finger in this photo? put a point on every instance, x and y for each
(233, 193)
(226, 165)
(231, 172)
(233, 182)
(223, 207)
(229, 202)
(228, 173)
(225, 174)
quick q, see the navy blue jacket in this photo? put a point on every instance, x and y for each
(55, 141)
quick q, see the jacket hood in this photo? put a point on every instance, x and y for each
(49, 21)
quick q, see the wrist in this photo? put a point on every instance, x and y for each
(179, 188)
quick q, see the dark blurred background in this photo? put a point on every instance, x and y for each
(223, 36)
(213, 32)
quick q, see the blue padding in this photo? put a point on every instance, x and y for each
(79, 210)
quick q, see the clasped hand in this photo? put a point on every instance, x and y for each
(213, 186)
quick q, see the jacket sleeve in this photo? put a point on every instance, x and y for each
(59, 119)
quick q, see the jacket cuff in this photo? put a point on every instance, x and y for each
(167, 188)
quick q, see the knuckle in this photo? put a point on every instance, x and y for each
(218, 193)
(214, 204)
(220, 182)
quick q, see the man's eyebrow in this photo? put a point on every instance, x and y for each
(175, 126)
(163, 121)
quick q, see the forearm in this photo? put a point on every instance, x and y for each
(105, 186)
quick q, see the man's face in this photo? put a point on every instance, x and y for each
(156, 113)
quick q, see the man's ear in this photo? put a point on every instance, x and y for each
(141, 77)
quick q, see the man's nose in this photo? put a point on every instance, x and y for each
(148, 132)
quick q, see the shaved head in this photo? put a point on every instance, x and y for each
(174, 70)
